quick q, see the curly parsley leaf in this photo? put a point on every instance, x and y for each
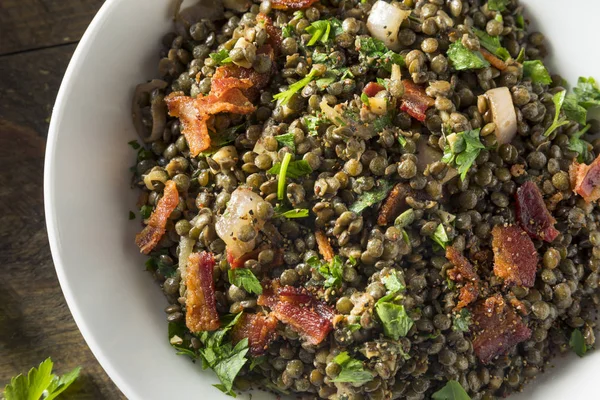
(352, 370)
(578, 145)
(295, 87)
(491, 44)
(295, 169)
(558, 100)
(537, 72)
(577, 343)
(39, 382)
(462, 149)
(462, 321)
(451, 391)
(245, 278)
(462, 58)
(286, 139)
(371, 197)
(440, 236)
(221, 57)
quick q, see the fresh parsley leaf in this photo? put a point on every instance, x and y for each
(396, 322)
(405, 237)
(221, 57)
(491, 44)
(450, 283)
(498, 5)
(295, 169)
(587, 92)
(352, 370)
(319, 31)
(146, 211)
(451, 391)
(287, 140)
(462, 149)
(521, 55)
(364, 98)
(573, 110)
(577, 343)
(256, 361)
(287, 31)
(402, 140)
(286, 95)
(462, 58)
(244, 278)
(177, 334)
(462, 320)
(578, 145)
(332, 271)
(283, 167)
(381, 123)
(405, 219)
(312, 123)
(131, 215)
(376, 54)
(134, 144)
(39, 382)
(520, 21)
(218, 140)
(295, 213)
(155, 263)
(393, 282)
(440, 236)
(144, 154)
(319, 58)
(558, 100)
(374, 196)
(537, 72)
(327, 79)
(354, 327)
(383, 82)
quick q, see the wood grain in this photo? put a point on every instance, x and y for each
(35, 322)
(35, 24)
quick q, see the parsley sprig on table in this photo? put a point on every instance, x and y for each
(39, 382)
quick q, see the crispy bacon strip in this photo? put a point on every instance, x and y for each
(394, 204)
(492, 59)
(515, 257)
(311, 318)
(324, 246)
(415, 102)
(372, 88)
(496, 328)
(149, 237)
(532, 213)
(463, 271)
(585, 180)
(258, 328)
(292, 4)
(201, 307)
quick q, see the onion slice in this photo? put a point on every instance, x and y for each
(157, 108)
(503, 112)
(384, 23)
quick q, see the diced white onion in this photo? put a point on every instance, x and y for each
(503, 113)
(384, 23)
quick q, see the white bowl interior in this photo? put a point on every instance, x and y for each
(115, 303)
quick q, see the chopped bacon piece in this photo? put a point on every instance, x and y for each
(585, 180)
(292, 4)
(463, 271)
(394, 204)
(194, 113)
(274, 34)
(515, 257)
(324, 246)
(372, 88)
(415, 102)
(201, 307)
(532, 213)
(492, 59)
(468, 294)
(301, 310)
(149, 237)
(496, 328)
(258, 328)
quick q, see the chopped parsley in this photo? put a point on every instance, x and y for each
(462, 58)
(498, 5)
(491, 44)
(578, 145)
(295, 87)
(283, 167)
(537, 72)
(364, 98)
(286, 140)
(440, 236)
(295, 169)
(402, 140)
(375, 53)
(520, 21)
(295, 213)
(462, 149)
(312, 123)
(577, 343)
(245, 279)
(352, 370)
(587, 92)
(146, 211)
(332, 271)
(396, 322)
(134, 144)
(371, 197)
(287, 31)
(322, 29)
(558, 100)
(221, 57)
(462, 320)
(39, 382)
(178, 340)
(131, 215)
(573, 110)
(393, 282)
(451, 391)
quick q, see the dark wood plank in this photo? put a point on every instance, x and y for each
(35, 322)
(34, 24)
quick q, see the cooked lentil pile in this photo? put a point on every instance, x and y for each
(353, 200)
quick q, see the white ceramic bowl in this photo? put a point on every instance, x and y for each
(115, 303)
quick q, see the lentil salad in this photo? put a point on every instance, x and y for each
(368, 200)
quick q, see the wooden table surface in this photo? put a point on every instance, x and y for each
(37, 39)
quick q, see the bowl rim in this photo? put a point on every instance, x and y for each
(58, 113)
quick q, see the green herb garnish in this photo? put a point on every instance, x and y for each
(462, 321)
(286, 95)
(462, 58)
(440, 236)
(396, 322)
(462, 149)
(131, 215)
(221, 57)
(283, 167)
(520, 21)
(393, 282)
(321, 30)
(295, 169)
(245, 279)
(134, 144)
(364, 98)
(498, 5)
(295, 213)
(558, 100)
(39, 383)
(287, 31)
(352, 370)
(537, 72)
(376, 54)
(286, 140)
(578, 145)
(332, 271)
(491, 44)
(587, 92)
(146, 212)
(577, 343)
(374, 196)
(451, 391)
